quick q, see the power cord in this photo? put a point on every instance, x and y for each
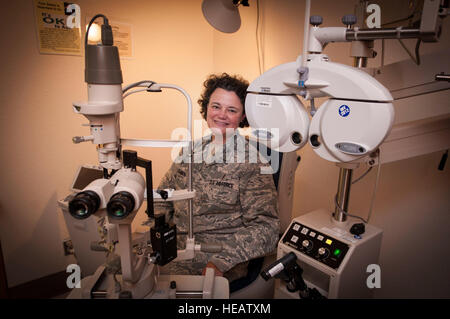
(259, 45)
(107, 36)
(372, 201)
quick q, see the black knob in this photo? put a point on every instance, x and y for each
(349, 20)
(358, 229)
(315, 20)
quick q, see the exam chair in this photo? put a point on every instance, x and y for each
(253, 286)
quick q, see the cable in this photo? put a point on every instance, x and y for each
(135, 91)
(140, 83)
(105, 21)
(362, 176)
(372, 201)
(419, 41)
(375, 186)
(257, 37)
(345, 213)
(416, 59)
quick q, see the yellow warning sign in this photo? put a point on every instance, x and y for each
(58, 27)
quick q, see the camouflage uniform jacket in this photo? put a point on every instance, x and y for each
(235, 205)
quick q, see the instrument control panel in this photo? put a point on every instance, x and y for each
(315, 244)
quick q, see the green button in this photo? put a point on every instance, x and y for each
(337, 252)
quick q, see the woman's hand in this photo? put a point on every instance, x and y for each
(217, 272)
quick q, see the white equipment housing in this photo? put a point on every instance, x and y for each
(102, 110)
(86, 232)
(277, 119)
(350, 125)
(341, 272)
(350, 129)
(129, 181)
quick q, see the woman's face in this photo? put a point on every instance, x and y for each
(225, 111)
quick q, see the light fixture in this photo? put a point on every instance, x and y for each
(223, 15)
(95, 33)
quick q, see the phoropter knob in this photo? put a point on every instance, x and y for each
(315, 20)
(323, 252)
(307, 244)
(349, 20)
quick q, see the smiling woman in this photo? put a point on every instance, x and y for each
(235, 206)
(224, 93)
(225, 112)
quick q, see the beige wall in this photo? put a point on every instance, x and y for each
(412, 204)
(174, 44)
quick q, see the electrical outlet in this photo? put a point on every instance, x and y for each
(68, 247)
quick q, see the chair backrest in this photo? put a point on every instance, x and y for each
(285, 187)
(284, 178)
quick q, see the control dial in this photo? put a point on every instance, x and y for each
(307, 244)
(323, 252)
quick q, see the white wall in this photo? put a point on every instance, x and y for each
(174, 44)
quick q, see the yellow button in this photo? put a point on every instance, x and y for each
(328, 241)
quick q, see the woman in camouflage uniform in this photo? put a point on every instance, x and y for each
(235, 205)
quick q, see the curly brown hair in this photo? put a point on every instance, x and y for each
(234, 83)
